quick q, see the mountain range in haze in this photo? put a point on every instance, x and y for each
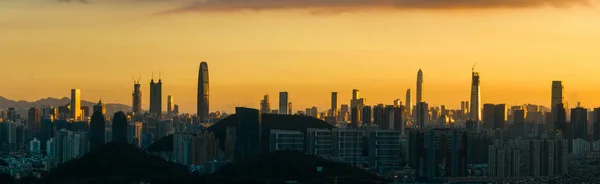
(22, 106)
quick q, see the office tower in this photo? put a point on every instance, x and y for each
(33, 121)
(203, 105)
(46, 132)
(289, 108)
(579, 123)
(63, 146)
(170, 105)
(596, 122)
(100, 107)
(97, 129)
(408, 105)
(557, 98)
(355, 94)
(355, 119)
(348, 145)
(422, 114)
(445, 152)
(499, 116)
(319, 142)
(286, 140)
(378, 115)
(176, 109)
(505, 159)
(419, 86)
(488, 116)
(334, 101)
(248, 133)
(344, 113)
(156, 97)
(283, 102)
(265, 105)
(397, 102)
(119, 127)
(136, 103)
(85, 112)
(48, 112)
(475, 109)
(314, 112)
(76, 104)
(559, 122)
(366, 115)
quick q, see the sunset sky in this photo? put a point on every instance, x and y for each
(306, 47)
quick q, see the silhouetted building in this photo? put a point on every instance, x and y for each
(76, 104)
(355, 120)
(366, 115)
(265, 105)
(557, 98)
(283, 103)
(248, 130)
(46, 132)
(286, 140)
(100, 107)
(408, 104)
(137, 97)
(475, 109)
(203, 89)
(422, 115)
(579, 123)
(504, 159)
(334, 101)
(596, 122)
(85, 112)
(170, 104)
(204, 148)
(156, 97)
(559, 117)
(97, 129)
(119, 127)
(33, 121)
(384, 149)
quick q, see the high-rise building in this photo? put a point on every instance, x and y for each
(499, 116)
(35, 146)
(557, 98)
(204, 148)
(85, 112)
(504, 159)
(355, 120)
(289, 108)
(203, 89)
(419, 86)
(579, 123)
(384, 148)
(596, 122)
(33, 121)
(76, 104)
(334, 101)
(119, 127)
(176, 109)
(100, 107)
(408, 104)
(422, 114)
(559, 122)
(248, 133)
(97, 129)
(156, 97)
(475, 109)
(283, 103)
(170, 104)
(136, 103)
(366, 115)
(265, 105)
(344, 112)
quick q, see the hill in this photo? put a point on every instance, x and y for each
(22, 106)
(120, 163)
(281, 166)
(269, 122)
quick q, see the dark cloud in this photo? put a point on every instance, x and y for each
(333, 5)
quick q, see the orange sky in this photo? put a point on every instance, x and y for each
(47, 48)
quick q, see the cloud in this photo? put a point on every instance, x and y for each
(334, 5)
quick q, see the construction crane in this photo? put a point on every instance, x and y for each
(473, 69)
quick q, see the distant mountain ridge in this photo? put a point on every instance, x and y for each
(22, 106)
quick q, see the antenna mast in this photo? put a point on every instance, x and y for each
(473, 69)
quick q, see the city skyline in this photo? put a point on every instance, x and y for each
(545, 43)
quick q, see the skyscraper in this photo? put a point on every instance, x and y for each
(408, 104)
(76, 104)
(156, 97)
(579, 123)
(97, 129)
(33, 121)
(265, 105)
(475, 109)
(119, 127)
(100, 107)
(283, 102)
(170, 105)
(248, 133)
(420, 86)
(334, 101)
(557, 98)
(422, 115)
(596, 122)
(203, 105)
(137, 97)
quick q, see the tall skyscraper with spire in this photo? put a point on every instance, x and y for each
(76, 104)
(475, 109)
(202, 105)
(420, 86)
(408, 104)
(156, 97)
(137, 97)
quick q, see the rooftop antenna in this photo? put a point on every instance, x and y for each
(473, 69)
(139, 78)
(152, 74)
